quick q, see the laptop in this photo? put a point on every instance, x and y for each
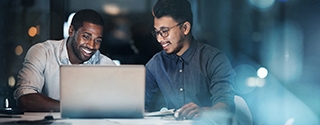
(102, 91)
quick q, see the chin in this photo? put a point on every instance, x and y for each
(169, 53)
(85, 58)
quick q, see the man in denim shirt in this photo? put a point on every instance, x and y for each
(193, 77)
(38, 87)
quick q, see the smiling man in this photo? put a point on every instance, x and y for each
(193, 77)
(38, 80)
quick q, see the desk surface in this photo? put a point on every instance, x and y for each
(29, 117)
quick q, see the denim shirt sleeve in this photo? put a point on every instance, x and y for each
(151, 86)
(221, 80)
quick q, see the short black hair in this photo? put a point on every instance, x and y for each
(86, 15)
(179, 10)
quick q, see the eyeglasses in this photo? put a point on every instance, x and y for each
(164, 32)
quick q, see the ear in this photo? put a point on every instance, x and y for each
(71, 30)
(186, 27)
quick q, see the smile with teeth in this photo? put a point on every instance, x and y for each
(165, 45)
(87, 52)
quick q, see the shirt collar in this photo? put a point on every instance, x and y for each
(95, 59)
(187, 55)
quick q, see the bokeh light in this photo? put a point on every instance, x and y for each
(262, 72)
(11, 81)
(18, 50)
(32, 31)
(255, 82)
(112, 9)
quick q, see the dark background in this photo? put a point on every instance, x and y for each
(281, 35)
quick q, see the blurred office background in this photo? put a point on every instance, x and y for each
(273, 45)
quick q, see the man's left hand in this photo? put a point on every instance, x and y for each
(190, 111)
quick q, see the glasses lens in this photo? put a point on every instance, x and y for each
(154, 34)
(163, 32)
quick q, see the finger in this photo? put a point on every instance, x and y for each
(186, 106)
(196, 117)
(184, 112)
(191, 114)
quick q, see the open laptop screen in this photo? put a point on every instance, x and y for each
(102, 91)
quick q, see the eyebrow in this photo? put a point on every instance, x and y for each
(160, 28)
(87, 33)
(91, 35)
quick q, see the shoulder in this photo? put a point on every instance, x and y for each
(208, 49)
(211, 54)
(158, 55)
(105, 59)
(44, 50)
(156, 58)
(46, 46)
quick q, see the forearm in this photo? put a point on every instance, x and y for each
(220, 114)
(38, 103)
(220, 106)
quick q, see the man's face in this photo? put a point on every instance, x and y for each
(86, 40)
(172, 38)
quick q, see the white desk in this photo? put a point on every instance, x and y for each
(28, 116)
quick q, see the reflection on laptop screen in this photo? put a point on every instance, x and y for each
(101, 91)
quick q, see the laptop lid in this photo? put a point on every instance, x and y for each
(102, 91)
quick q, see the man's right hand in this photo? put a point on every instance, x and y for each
(36, 102)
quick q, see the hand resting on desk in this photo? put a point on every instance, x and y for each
(195, 112)
(36, 102)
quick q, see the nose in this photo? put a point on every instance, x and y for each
(91, 44)
(159, 38)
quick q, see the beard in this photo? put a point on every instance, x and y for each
(76, 50)
(179, 46)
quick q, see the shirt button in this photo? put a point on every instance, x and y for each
(180, 70)
(181, 89)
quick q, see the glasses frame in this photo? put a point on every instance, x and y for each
(164, 32)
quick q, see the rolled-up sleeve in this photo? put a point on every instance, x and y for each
(221, 86)
(31, 77)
